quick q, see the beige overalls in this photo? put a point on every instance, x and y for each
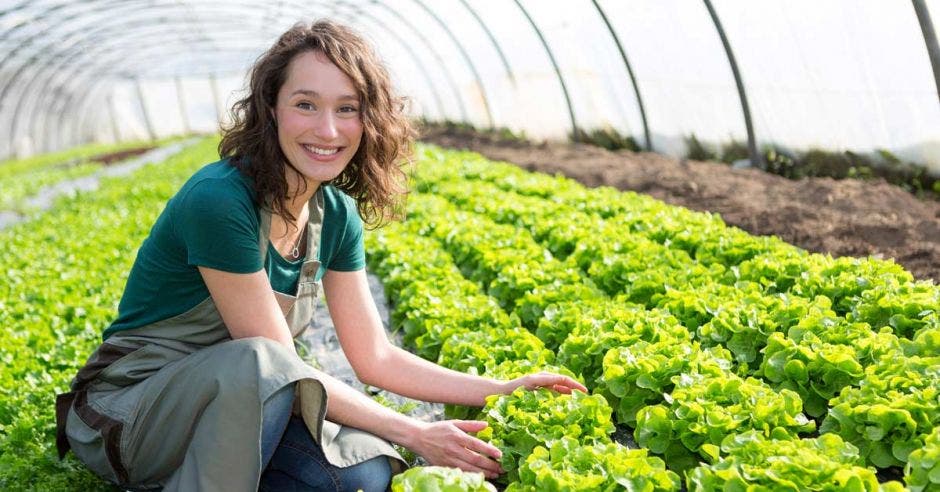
(177, 403)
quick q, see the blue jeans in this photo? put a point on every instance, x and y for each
(294, 462)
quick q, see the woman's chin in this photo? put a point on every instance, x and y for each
(314, 178)
(318, 172)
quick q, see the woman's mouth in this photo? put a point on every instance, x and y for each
(321, 151)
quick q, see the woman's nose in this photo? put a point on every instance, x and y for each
(325, 126)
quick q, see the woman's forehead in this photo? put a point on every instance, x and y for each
(313, 74)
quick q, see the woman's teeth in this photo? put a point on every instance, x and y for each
(319, 151)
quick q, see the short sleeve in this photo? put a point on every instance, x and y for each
(218, 228)
(351, 255)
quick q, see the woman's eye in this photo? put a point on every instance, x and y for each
(305, 105)
(348, 109)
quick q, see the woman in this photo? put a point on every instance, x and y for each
(197, 385)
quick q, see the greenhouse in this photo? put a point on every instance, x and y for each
(522, 245)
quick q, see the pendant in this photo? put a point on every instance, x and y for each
(294, 252)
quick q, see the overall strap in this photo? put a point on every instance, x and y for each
(314, 225)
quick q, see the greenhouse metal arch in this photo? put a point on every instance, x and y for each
(568, 73)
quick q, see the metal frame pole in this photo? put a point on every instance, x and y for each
(575, 132)
(467, 60)
(756, 159)
(143, 107)
(402, 20)
(214, 87)
(492, 38)
(113, 114)
(930, 39)
(626, 62)
(182, 102)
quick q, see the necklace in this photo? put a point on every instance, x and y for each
(295, 251)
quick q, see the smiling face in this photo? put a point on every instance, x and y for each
(319, 125)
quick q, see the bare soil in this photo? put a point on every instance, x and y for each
(122, 155)
(840, 217)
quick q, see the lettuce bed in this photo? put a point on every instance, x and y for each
(719, 350)
(733, 358)
(64, 272)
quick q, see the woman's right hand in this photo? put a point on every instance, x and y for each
(447, 443)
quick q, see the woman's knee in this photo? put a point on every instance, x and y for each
(300, 457)
(249, 356)
(255, 345)
(247, 369)
(370, 475)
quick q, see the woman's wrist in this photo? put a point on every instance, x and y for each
(506, 387)
(500, 387)
(406, 432)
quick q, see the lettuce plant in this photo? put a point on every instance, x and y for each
(489, 346)
(891, 410)
(752, 461)
(922, 472)
(642, 374)
(440, 479)
(594, 329)
(906, 308)
(704, 408)
(505, 371)
(524, 419)
(567, 465)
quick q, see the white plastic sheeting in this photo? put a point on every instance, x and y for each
(837, 75)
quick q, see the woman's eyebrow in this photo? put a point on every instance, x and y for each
(312, 93)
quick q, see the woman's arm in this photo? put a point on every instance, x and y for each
(247, 305)
(249, 309)
(380, 363)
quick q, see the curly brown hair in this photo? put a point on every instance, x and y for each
(374, 177)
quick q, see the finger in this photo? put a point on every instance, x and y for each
(538, 380)
(468, 460)
(561, 389)
(555, 381)
(470, 467)
(470, 425)
(491, 468)
(575, 385)
(572, 384)
(483, 448)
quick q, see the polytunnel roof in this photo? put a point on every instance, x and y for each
(844, 74)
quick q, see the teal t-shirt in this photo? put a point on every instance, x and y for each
(213, 222)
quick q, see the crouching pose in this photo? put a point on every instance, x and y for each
(197, 385)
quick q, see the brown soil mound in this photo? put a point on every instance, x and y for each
(115, 157)
(840, 217)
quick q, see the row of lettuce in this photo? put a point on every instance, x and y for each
(63, 275)
(20, 179)
(15, 191)
(708, 342)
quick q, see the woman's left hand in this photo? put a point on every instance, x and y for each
(548, 380)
